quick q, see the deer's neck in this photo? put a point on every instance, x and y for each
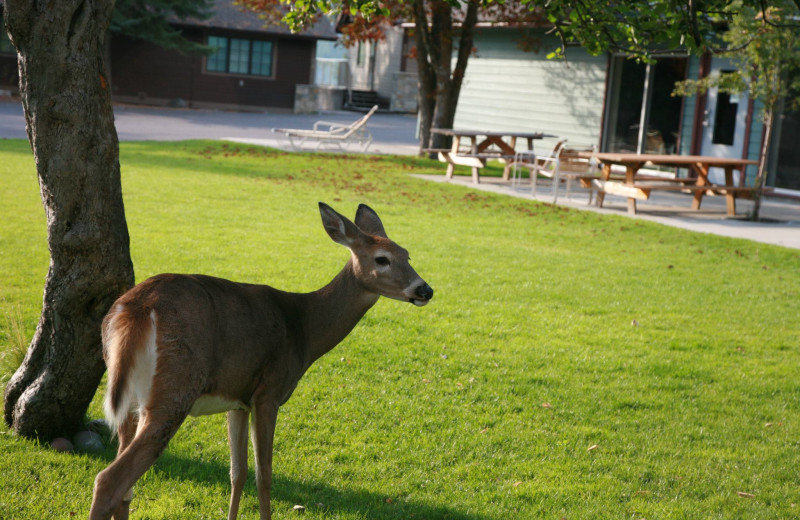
(333, 311)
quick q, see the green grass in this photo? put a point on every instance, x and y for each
(482, 405)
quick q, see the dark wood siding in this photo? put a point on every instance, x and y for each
(9, 74)
(145, 71)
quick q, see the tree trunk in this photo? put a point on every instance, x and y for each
(70, 124)
(761, 177)
(450, 80)
(439, 83)
(426, 91)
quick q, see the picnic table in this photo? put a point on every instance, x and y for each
(636, 186)
(483, 145)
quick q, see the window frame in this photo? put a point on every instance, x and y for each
(234, 45)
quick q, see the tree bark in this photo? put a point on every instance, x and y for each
(440, 83)
(448, 77)
(761, 176)
(427, 78)
(70, 122)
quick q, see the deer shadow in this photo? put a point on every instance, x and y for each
(309, 493)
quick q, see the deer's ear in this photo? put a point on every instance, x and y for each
(339, 228)
(369, 222)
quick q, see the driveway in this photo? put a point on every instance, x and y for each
(392, 133)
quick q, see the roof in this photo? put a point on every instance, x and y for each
(231, 17)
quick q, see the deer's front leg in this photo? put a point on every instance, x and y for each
(237, 439)
(264, 416)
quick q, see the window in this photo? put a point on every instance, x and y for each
(725, 116)
(240, 56)
(261, 59)
(218, 62)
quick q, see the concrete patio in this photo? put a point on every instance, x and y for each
(780, 223)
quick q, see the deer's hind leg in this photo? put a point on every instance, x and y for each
(168, 405)
(126, 432)
(114, 484)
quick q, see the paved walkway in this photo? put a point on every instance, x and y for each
(396, 134)
(782, 225)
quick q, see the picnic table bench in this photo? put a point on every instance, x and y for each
(638, 187)
(494, 145)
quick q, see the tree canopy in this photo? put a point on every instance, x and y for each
(149, 20)
(664, 26)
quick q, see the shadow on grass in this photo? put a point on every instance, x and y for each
(212, 157)
(313, 495)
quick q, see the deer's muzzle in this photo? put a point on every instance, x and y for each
(423, 294)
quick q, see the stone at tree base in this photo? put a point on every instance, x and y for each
(61, 444)
(100, 427)
(88, 442)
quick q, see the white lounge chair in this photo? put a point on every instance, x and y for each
(332, 134)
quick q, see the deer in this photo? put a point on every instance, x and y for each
(177, 345)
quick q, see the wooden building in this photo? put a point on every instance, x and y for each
(253, 66)
(618, 105)
(9, 73)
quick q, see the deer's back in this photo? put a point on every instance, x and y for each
(227, 337)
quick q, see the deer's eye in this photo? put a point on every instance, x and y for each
(382, 260)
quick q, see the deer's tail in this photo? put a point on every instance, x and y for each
(129, 349)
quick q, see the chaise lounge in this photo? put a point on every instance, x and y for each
(332, 134)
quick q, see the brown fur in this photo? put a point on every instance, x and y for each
(242, 345)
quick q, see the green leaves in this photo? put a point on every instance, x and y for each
(150, 20)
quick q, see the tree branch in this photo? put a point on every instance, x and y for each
(694, 29)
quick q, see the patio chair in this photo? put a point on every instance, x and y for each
(561, 164)
(332, 133)
(571, 167)
(547, 165)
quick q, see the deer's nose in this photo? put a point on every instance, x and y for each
(424, 292)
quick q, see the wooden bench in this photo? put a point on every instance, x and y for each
(643, 186)
(635, 187)
(474, 161)
(435, 150)
(483, 146)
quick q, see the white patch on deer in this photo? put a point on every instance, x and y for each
(144, 368)
(140, 380)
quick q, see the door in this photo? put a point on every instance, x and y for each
(784, 166)
(724, 122)
(642, 115)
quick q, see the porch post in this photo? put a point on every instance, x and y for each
(647, 99)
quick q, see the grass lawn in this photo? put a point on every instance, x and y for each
(571, 365)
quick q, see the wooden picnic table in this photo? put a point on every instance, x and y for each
(636, 186)
(483, 145)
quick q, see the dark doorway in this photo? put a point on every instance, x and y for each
(641, 94)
